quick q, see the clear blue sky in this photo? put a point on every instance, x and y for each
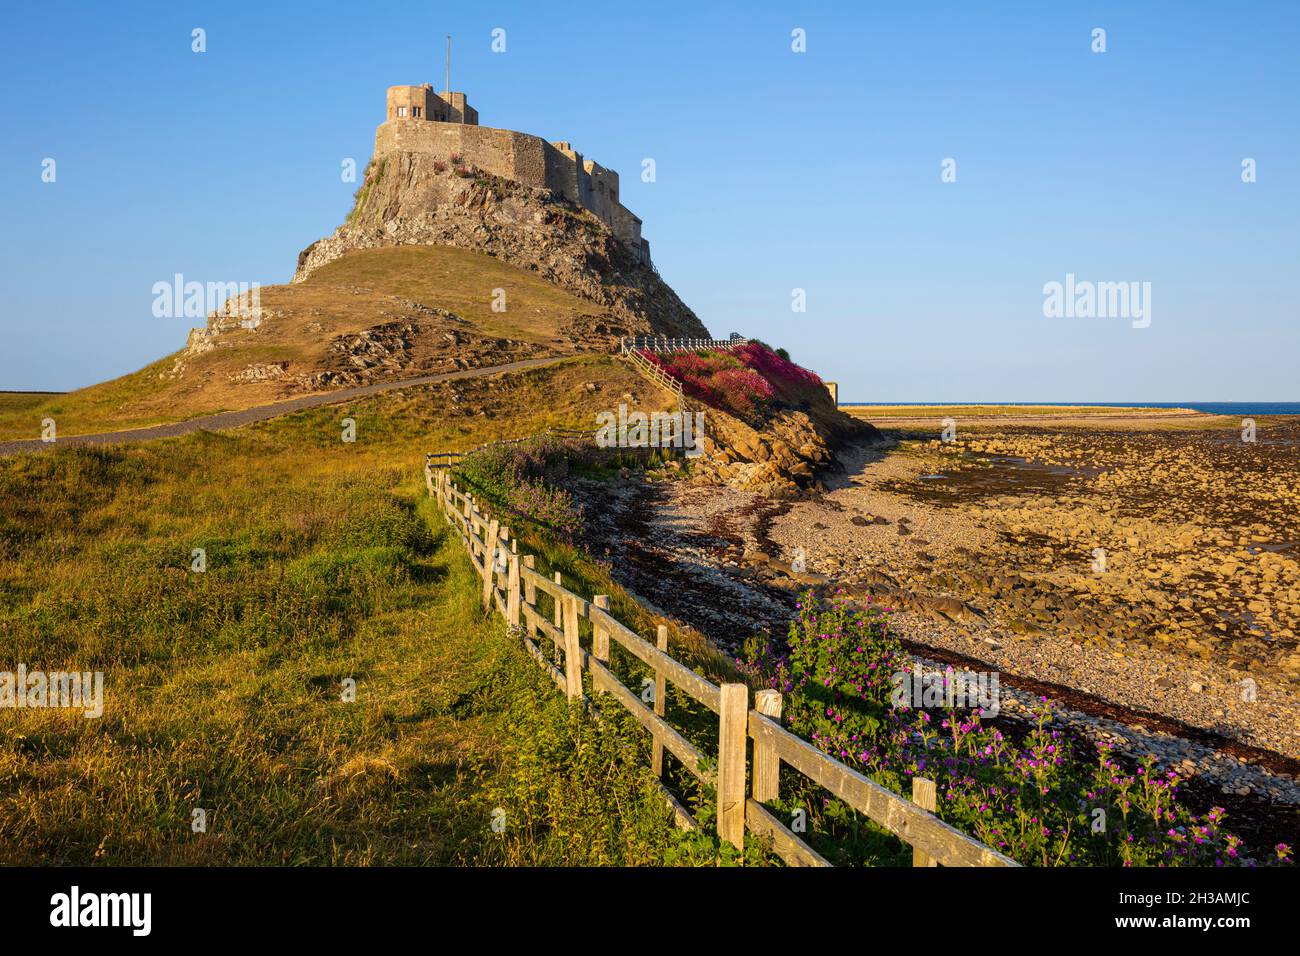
(776, 171)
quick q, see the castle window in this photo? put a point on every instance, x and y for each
(401, 111)
(415, 111)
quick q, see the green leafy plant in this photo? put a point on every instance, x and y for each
(1028, 795)
(521, 477)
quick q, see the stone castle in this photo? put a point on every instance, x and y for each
(419, 119)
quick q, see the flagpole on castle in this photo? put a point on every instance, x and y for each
(449, 68)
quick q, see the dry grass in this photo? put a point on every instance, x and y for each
(458, 280)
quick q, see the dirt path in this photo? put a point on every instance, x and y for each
(260, 413)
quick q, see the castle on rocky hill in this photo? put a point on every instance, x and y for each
(419, 119)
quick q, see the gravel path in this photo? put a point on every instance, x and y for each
(247, 416)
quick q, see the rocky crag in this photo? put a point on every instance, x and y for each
(786, 454)
(414, 198)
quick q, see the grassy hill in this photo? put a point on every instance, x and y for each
(307, 341)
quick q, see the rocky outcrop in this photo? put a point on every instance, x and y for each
(233, 314)
(782, 456)
(428, 341)
(263, 372)
(411, 198)
(781, 450)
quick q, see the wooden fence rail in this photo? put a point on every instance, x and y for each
(515, 587)
(663, 343)
(656, 374)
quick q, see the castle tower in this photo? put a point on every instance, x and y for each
(423, 103)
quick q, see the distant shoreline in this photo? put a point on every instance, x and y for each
(1100, 408)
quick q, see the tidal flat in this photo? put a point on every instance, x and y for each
(1184, 540)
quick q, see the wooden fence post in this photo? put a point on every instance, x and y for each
(559, 605)
(599, 635)
(428, 480)
(512, 587)
(732, 737)
(572, 650)
(489, 562)
(661, 702)
(923, 795)
(530, 593)
(767, 764)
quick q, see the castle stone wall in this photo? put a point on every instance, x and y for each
(627, 226)
(562, 166)
(521, 157)
(500, 152)
(457, 108)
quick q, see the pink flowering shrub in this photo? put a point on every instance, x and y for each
(742, 389)
(746, 381)
(1032, 797)
(793, 383)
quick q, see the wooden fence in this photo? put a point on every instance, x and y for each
(513, 585)
(663, 343)
(657, 375)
